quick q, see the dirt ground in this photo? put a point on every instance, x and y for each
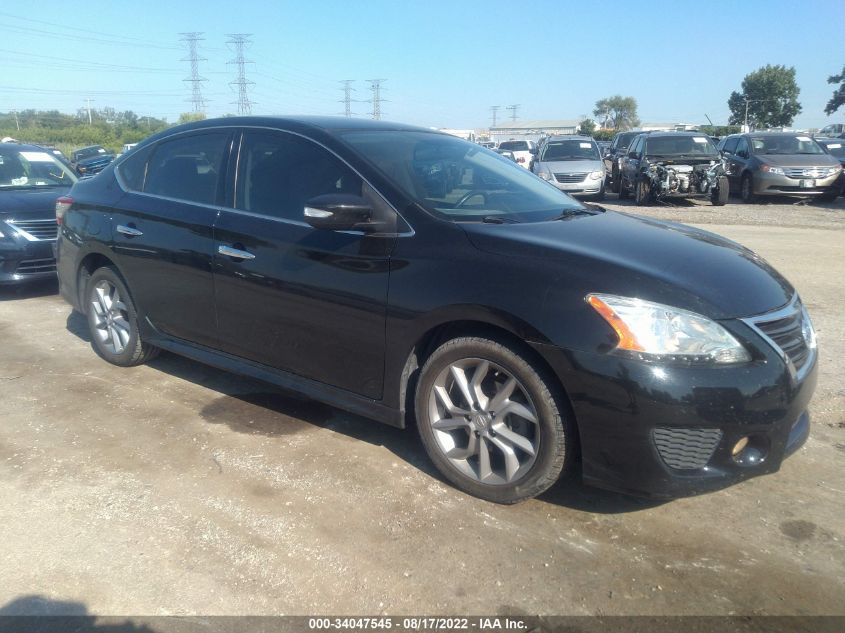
(175, 488)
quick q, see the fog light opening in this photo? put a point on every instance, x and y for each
(739, 446)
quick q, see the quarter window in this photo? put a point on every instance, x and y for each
(133, 169)
(188, 168)
(280, 172)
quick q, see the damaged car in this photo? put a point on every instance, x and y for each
(673, 165)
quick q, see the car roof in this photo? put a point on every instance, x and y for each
(26, 147)
(674, 134)
(331, 124)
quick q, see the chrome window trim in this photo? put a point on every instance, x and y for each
(788, 310)
(239, 140)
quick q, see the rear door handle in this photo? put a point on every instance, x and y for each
(131, 231)
(234, 253)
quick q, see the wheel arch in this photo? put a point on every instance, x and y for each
(87, 265)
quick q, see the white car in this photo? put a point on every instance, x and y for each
(523, 151)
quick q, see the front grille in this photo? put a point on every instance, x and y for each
(808, 172)
(786, 332)
(570, 178)
(35, 230)
(685, 448)
(36, 266)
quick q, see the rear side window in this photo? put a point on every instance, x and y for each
(187, 168)
(133, 169)
(280, 172)
(515, 146)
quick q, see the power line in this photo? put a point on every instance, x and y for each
(191, 40)
(241, 41)
(495, 111)
(347, 97)
(514, 109)
(375, 86)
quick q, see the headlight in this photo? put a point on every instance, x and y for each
(596, 175)
(545, 175)
(807, 329)
(653, 331)
(772, 170)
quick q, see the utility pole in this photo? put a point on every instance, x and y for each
(17, 123)
(191, 40)
(514, 109)
(88, 107)
(375, 86)
(240, 41)
(347, 97)
(495, 111)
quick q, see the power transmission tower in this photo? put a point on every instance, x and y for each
(514, 109)
(191, 40)
(347, 97)
(240, 41)
(375, 86)
(495, 111)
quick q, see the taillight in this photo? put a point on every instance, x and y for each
(62, 205)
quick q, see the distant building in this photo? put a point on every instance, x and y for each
(667, 127)
(532, 130)
(467, 135)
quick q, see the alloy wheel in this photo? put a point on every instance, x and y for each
(484, 421)
(111, 317)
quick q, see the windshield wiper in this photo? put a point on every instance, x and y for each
(570, 213)
(497, 219)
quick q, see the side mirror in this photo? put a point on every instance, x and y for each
(338, 212)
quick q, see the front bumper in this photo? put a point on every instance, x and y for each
(587, 187)
(666, 431)
(769, 184)
(22, 261)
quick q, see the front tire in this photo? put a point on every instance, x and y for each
(490, 422)
(643, 192)
(113, 321)
(624, 194)
(719, 196)
(747, 190)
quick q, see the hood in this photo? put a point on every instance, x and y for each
(572, 166)
(630, 256)
(35, 203)
(798, 160)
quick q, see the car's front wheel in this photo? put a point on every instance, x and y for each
(490, 420)
(113, 321)
(719, 195)
(747, 190)
(642, 192)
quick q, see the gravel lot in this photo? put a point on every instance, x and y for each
(174, 488)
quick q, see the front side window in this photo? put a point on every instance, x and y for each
(570, 150)
(188, 167)
(279, 173)
(29, 169)
(730, 145)
(460, 181)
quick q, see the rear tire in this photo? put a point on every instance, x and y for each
(491, 421)
(719, 196)
(113, 320)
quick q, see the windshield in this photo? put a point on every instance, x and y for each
(680, 146)
(569, 150)
(515, 146)
(784, 144)
(624, 140)
(29, 169)
(837, 149)
(461, 181)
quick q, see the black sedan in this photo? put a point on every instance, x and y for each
(415, 278)
(30, 181)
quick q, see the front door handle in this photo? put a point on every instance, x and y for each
(131, 231)
(234, 253)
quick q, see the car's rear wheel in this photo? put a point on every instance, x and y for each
(719, 196)
(490, 421)
(747, 190)
(113, 321)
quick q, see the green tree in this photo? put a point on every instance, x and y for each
(770, 95)
(188, 117)
(587, 127)
(617, 112)
(838, 97)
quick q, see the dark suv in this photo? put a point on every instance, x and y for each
(87, 161)
(411, 276)
(613, 156)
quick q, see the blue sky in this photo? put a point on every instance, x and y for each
(445, 62)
